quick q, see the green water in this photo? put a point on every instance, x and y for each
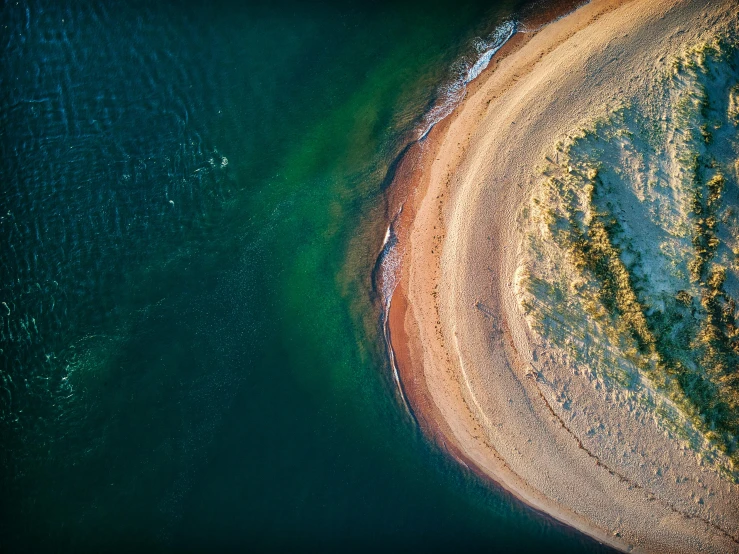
(192, 358)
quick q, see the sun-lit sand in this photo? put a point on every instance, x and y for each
(502, 396)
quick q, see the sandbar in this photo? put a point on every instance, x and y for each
(465, 356)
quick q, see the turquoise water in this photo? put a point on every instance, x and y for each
(190, 212)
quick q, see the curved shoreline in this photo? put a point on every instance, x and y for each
(465, 357)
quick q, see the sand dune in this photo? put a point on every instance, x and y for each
(509, 404)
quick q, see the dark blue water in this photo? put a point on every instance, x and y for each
(191, 205)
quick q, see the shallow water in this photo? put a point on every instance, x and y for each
(191, 206)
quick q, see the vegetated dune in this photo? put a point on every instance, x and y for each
(630, 263)
(568, 284)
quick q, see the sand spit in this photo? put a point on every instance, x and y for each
(475, 375)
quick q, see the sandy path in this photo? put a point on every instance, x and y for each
(462, 345)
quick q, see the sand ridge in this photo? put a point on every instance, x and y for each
(470, 366)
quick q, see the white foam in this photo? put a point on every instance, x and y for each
(501, 35)
(451, 94)
(389, 267)
(388, 234)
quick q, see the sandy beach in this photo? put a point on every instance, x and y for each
(476, 378)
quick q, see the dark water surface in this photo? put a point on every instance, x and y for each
(189, 213)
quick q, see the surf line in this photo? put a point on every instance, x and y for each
(387, 266)
(456, 91)
(385, 279)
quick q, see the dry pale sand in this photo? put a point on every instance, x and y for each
(467, 360)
